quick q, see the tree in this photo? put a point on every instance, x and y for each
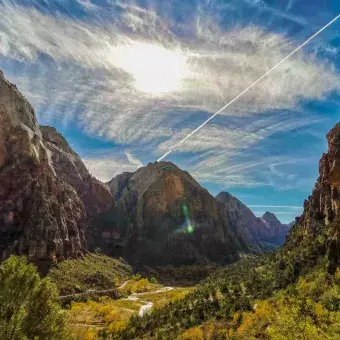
(28, 304)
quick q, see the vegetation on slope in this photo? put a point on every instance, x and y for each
(94, 271)
(229, 297)
(309, 309)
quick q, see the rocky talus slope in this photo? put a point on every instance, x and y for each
(317, 231)
(41, 215)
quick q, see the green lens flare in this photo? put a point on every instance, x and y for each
(185, 211)
(190, 229)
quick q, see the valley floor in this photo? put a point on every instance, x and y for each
(139, 297)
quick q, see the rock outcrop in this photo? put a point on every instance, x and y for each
(318, 229)
(41, 215)
(163, 216)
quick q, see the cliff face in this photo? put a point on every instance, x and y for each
(41, 215)
(95, 196)
(319, 226)
(163, 216)
(258, 232)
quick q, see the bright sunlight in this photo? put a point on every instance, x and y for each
(154, 68)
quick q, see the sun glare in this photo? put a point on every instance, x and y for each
(154, 68)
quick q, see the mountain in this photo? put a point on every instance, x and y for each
(316, 232)
(266, 230)
(41, 214)
(163, 216)
(276, 232)
(52, 208)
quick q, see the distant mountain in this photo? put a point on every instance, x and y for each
(276, 232)
(267, 230)
(163, 216)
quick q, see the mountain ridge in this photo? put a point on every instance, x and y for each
(63, 210)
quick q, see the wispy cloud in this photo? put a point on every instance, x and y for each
(96, 72)
(106, 168)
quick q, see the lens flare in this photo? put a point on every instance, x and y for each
(189, 228)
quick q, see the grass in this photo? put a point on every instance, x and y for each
(94, 271)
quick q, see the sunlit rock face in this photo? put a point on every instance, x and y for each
(163, 216)
(41, 215)
(321, 215)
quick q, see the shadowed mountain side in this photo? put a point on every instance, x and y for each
(270, 233)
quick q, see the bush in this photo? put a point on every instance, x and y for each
(28, 304)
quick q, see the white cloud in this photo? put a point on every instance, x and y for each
(133, 160)
(106, 168)
(89, 83)
(219, 64)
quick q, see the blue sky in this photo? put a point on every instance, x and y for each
(125, 81)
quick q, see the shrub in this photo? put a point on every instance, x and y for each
(28, 304)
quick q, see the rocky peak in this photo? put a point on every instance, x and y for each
(163, 216)
(270, 218)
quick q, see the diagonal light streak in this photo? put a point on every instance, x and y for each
(248, 88)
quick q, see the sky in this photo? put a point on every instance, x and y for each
(125, 81)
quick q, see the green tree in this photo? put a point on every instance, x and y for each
(28, 304)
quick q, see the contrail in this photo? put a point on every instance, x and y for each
(248, 88)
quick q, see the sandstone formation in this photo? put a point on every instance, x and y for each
(163, 216)
(41, 215)
(318, 228)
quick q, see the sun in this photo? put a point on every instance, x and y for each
(154, 68)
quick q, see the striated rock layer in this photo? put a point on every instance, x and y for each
(318, 229)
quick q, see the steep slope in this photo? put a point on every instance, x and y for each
(317, 232)
(68, 165)
(41, 215)
(163, 216)
(242, 218)
(267, 230)
(276, 231)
